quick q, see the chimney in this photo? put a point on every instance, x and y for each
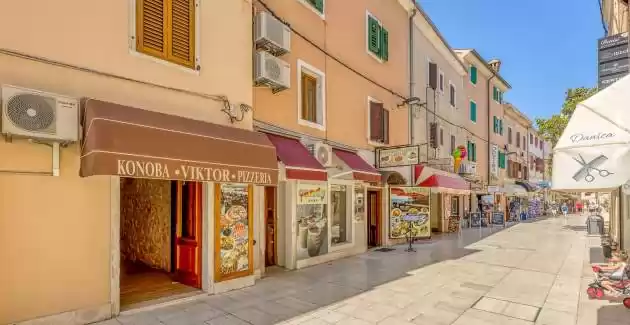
(495, 64)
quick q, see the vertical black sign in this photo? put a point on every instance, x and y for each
(613, 59)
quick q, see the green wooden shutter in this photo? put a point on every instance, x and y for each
(501, 127)
(374, 30)
(473, 74)
(495, 124)
(473, 111)
(319, 5)
(468, 147)
(384, 44)
(474, 151)
(500, 96)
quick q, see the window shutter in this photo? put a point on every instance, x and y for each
(501, 127)
(468, 147)
(474, 151)
(182, 31)
(376, 121)
(374, 30)
(473, 74)
(473, 111)
(319, 5)
(384, 54)
(151, 27)
(495, 125)
(385, 126)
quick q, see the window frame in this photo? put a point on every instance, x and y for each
(133, 39)
(350, 215)
(452, 100)
(453, 143)
(321, 85)
(368, 132)
(441, 135)
(470, 102)
(310, 6)
(476, 74)
(518, 139)
(442, 81)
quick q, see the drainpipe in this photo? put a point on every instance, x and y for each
(489, 123)
(412, 84)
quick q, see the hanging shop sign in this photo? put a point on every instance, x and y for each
(613, 59)
(409, 212)
(397, 156)
(311, 194)
(494, 160)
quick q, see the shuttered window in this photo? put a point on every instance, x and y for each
(473, 111)
(501, 160)
(473, 74)
(472, 151)
(378, 39)
(379, 123)
(309, 98)
(317, 5)
(166, 29)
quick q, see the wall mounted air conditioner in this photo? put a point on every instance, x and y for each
(33, 114)
(322, 152)
(271, 72)
(271, 34)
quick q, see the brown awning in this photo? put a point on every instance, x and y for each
(131, 142)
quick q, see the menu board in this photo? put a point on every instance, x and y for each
(398, 156)
(475, 219)
(498, 218)
(233, 231)
(409, 212)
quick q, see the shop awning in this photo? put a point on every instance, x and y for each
(361, 170)
(593, 152)
(442, 181)
(298, 161)
(131, 142)
(515, 189)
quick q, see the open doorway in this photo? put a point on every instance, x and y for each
(271, 258)
(374, 218)
(160, 240)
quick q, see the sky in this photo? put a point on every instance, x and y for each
(545, 46)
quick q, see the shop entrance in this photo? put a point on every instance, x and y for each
(270, 226)
(374, 218)
(160, 240)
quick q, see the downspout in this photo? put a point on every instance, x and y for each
(527, 151)
(412, 84)
(488, 110)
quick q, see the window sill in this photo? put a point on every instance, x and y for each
(375, 57)
(376, 144)
(164, 62)
(310, 6)
(312, 124)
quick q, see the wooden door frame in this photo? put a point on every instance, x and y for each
(177, 220)
(379, 217)
(275, 223)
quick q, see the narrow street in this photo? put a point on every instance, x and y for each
(530, 273)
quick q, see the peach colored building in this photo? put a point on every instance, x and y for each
(143, 114)
(347, 79)
(485, 89)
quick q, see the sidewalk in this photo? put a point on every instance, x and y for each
(531, 273)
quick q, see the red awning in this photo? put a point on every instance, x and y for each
(361, 170)
(434, 178)
(298, 161)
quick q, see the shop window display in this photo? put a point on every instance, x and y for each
(341, 223)
(233, 256)
(359, 203)
(312, 221)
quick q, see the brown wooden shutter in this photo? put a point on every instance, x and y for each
(151, 27)
(385, 126)
(376, 121)
(182, 32)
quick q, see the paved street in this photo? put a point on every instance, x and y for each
(530, 273)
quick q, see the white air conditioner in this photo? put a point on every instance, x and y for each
(468, 168)
(323, 153)
(38, 115)
(271, 72)
(271, 34)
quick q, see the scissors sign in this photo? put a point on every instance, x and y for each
(586, 170)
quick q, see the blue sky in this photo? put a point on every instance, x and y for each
(545, 46)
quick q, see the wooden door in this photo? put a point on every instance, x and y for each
(188, 233)
(270, 226)
(373, 218)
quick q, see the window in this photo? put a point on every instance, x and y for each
(311, 96)
(524, 142)
(536, 142)
(472, 151)
(509, 135)
(377, 38)
(341, 223)
(165, 29)
(317, 5)
(473, 74)
(497, 95)
(452, 94)
(452, 143)
(312, 221)
(441, 82)
(473, 111)
(441, 136)
(531, 139)
(501, 160)
(498, 125)
(518, 139)
(378, 122)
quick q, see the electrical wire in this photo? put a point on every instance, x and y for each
(355, 71)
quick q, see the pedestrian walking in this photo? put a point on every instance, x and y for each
(565, 209)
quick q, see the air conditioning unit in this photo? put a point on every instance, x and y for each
(323, 153)
(468, 168)
(271, 34)
(271, 72)
(38, 115)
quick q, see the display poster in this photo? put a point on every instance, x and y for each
(498, 218)
(409, 212)
(233, 231)
(359, 203)
(312, 221)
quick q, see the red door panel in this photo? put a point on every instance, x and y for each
(188, 234)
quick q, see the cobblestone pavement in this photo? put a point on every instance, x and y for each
(530, 273)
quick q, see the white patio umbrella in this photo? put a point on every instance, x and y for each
(593, 152)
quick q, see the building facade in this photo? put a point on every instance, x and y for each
(615, 16)
(125, 167)
(347, 66)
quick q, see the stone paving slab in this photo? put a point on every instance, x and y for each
(530, 273)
